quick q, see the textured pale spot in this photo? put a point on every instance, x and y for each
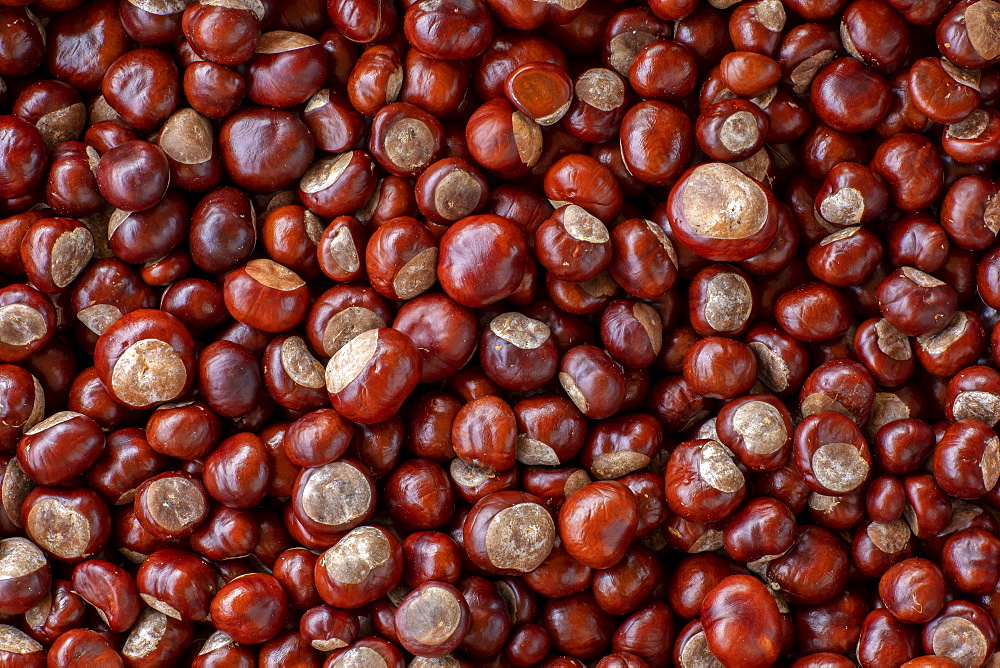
(356, 555)
(21, 325)
(720, 202)
(335, 494)
(717, 468)
(148, 372)
(71, 252)
(343, 327)
(300, 365)
(519, 330)
(601, 88)
(348, 362)
(839, 467)
(519, 538)
(761, 426)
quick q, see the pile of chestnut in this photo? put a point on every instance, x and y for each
(454, 333)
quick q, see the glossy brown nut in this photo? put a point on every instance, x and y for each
(813, 312)
(968, 561)
(831, 453)
(503, 140)
(238, 472)
(266, 296)
(541, 91)
(317, 438)
(898, 294)
(454, 30)
(133, 176)
(369, 378)
(222, 32)
(287, 68)
(142, 340)
(593, 381)
(432, 620)
(146, 236)
(847, 257)
(171, 505)
(758, 429)
(643, 259)
(703, 481)
(495, 529)
(578, 626)
(54, 251)
(657, 141)
(963, 459)
(60, 448)
(201, 429)
(720, 368)
(945, 93)
(143, 86)
(910, 165)
(29, 576)
(213, 90)
(885, 351)
(814, 570)
(663, 70)
(449, 190)
(741, 619)
(360, 568)
(265, 149)
(836, 105)
(573, 245)
(71, 187)
(251, 609)
(913, 590)
(418, 495)
(177, 584)
(585, 527)
(109, 589)
(81, 509)
(223, 230)
(600, 102)
(401, 258)
(481, 260)
(25, 157)
(731, 130)
(28, 316)
(701, 226)
(83, 645)
(343, 312)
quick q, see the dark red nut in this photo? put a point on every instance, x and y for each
(576, 179)
(587, 529)
(60, 449)
(643, 259)
(916, 303)
(340, 248)
(541, 91)
(251, 609)
(171, 505)
(265, 149)
(24, 406)
(601, 100)
(83, 645)
(758, 429)
(133, 176)
(963, 633)
(593, 381)
(573, 245)
(223, 32)
(317, 438)
(401, 259)
(25, 156)
(109, 589)
(761, 529)
(369, 377)
(186, 431)
(814, 570)
(846, 257)
(229, 378)
(742, 623)
(177, 583)
(578, 627)
(517, 352)
(885, 351)
(327, 512)
(503, 140)
(481, 260)
(339, 184)
(223, 230)
(333, 122)
(418, 495)
(146, 236)
(360, 568)
(843, 386)
(28, 317)
(551, 430)
(831, 453)
(452, 30)
(376, 79)
(287, 68)
(59, 611)
(238, 472)
(450, 190)
(912, 169)
(973, 138)
(731, 130)
(266, 296)
(405, 139)
(663, 70)
(913, 591)
(509, 533)
(621, 589)
(813, 312)
(745, 226)
(484, 434)
(71, 524)
(720, 368)
(834, 96)
(143, 87)
(969, 561)
(443, 331)
(945, 93)
(212, 89)
(226, 534)
(188, 140)
(326, 628)
(970, 394)
(703, 482)
(19, 649)
(27, 576)
(432, 620)
(71, 187)
(967, 459)
(54, 251)
(145, 358)
(343, 312)
(632, 332)
(156, 637)
(748, 74)
(657, 142)
(559, 575)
